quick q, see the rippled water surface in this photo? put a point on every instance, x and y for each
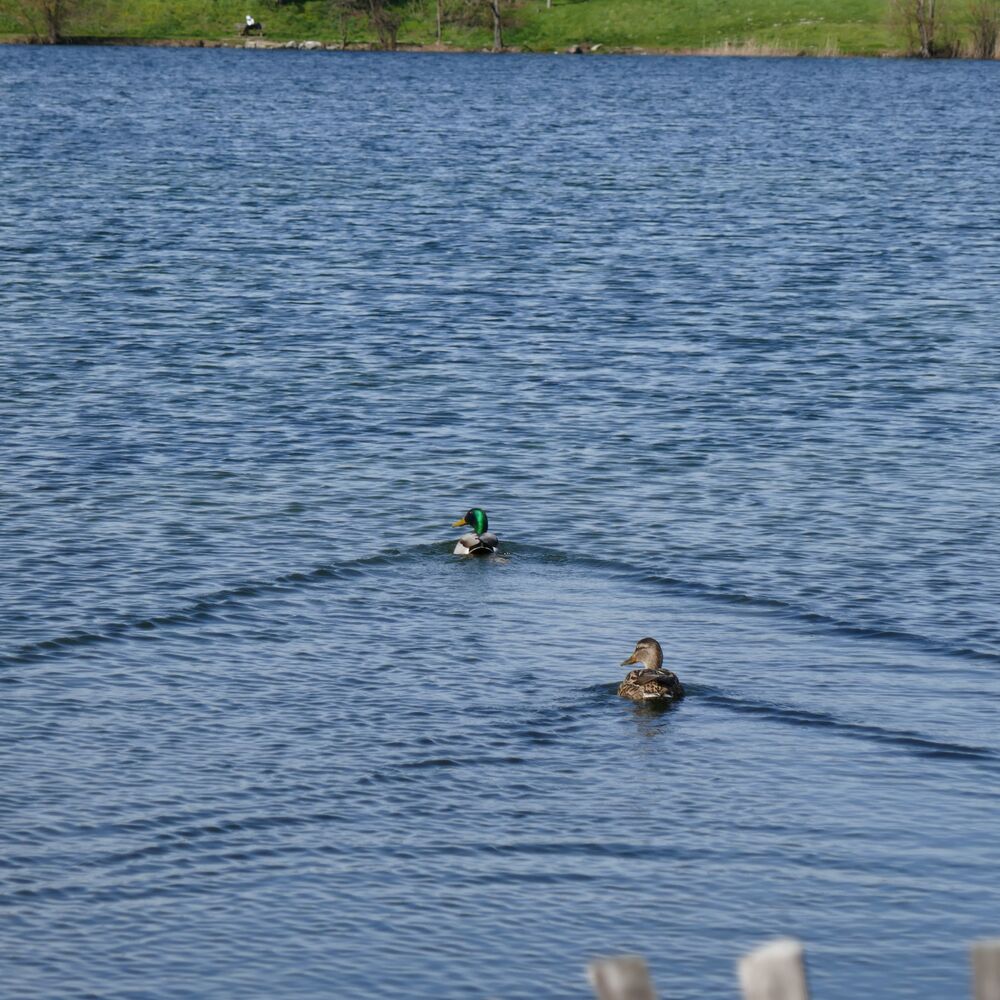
(714, 342)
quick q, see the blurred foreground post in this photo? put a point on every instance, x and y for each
(986, 969)
(775, 971)
(624, 977)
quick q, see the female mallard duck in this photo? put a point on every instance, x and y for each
(651, 682)
(479, 541)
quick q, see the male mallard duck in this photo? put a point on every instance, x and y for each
(651, 682)
(479, 541)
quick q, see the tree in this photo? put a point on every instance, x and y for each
(497, 26)
(478, 14)
(44, 19)
(385, 17)
(347, 14)
(984, 19)
(920, 20)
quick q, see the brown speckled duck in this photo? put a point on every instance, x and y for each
(651, 682)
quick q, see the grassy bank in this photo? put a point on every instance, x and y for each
(815, 26)
(848, 27)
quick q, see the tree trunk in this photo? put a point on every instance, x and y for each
(925, 18)
(440, 4)
(384, 24)
(52, 21)
(497, 28)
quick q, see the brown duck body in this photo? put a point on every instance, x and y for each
(652, 681)
(651, 685)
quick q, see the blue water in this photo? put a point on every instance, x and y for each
(713, 341)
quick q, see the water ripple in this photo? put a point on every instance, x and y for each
(714, 343)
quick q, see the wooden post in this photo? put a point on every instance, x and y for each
(624, 977)
(986, 969)
(775, 971)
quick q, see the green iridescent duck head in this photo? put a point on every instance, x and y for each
(474, 518)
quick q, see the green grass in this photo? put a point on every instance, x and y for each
(855, 26)
(190, 19)
(811, 26)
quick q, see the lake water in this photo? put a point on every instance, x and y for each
(714, 341)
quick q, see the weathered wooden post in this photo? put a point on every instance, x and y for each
(986, 969)
(624, 977)
(775, 971)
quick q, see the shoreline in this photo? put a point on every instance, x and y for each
(745, 50)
